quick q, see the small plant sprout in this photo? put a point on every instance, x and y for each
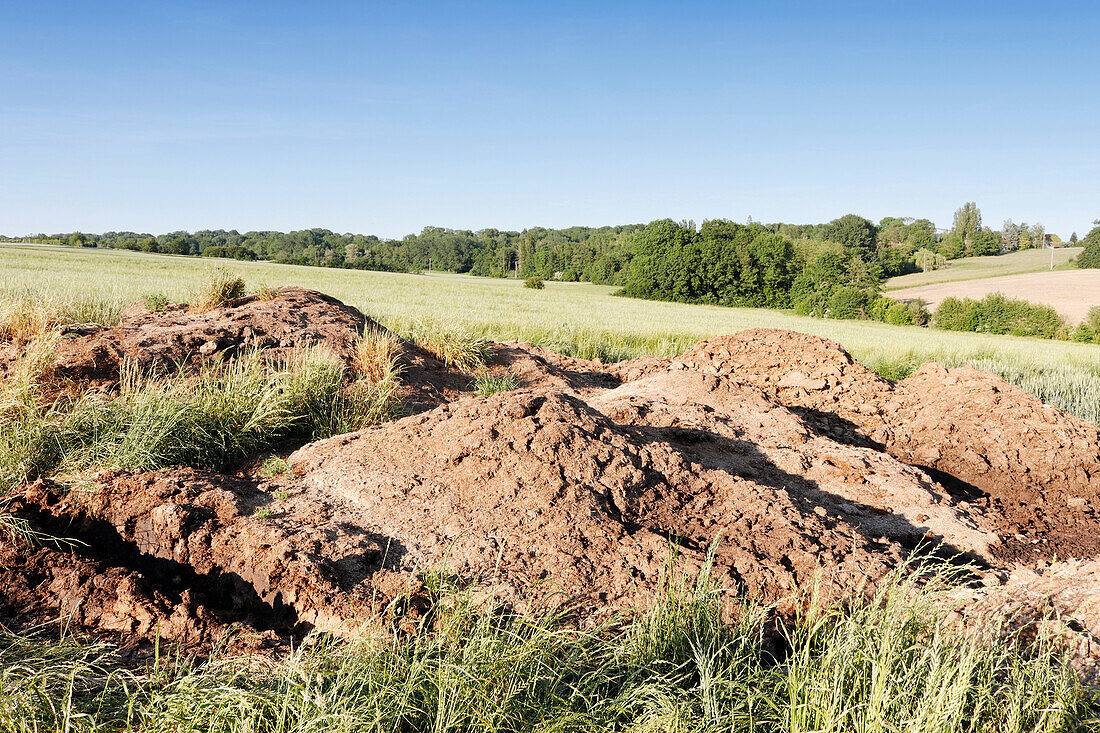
(486, 384)
(274, 466)
(263, 512)
(156, 302)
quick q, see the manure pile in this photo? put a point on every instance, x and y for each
(795, 463)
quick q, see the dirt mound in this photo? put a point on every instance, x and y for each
(1035, 468)
(736, 427)
(166, 340)
(525, 487)
(587, 483)
(814, 375)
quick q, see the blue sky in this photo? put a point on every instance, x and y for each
(387, 117)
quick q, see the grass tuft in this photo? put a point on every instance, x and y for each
(376, 355)
(455, 345)
(274, 466)
(486, 384)
(267, 292)
(219, 288)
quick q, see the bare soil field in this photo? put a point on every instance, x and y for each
(1070, 292)
(793, 463)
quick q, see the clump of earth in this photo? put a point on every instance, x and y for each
(773, 453)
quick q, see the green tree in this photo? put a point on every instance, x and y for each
(967, 223)
(927, 260)
(77, 239)
(985, 242)
(858, 235)
(1090, 255)
(1011, 234)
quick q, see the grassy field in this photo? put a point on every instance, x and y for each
(576, 318)
(976, 268)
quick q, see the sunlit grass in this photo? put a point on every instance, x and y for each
(578, 319)
(890, 663)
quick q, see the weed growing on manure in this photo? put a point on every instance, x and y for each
(376, 355)
(218, 289)
(486, 384)
(28, 314)
(456, 346)
(221, 413)
(274, 466)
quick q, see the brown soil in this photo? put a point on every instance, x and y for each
(1033, 467)
(586, 485)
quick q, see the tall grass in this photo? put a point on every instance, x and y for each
(224, 412)
(28, 314)
(889, 663)
(218, 288)
(456, 345)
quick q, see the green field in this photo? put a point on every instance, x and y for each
(575, 318)
(978, 268)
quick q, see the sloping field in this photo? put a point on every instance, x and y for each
(976, 268)
(1070, 292)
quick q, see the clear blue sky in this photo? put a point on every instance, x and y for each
(386, 117)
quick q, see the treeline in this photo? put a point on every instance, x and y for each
(578, 253)
(830, 270)
(833, 271)
(603, 255)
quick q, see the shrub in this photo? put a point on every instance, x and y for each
(898, 314)
(1083, 334)
(878, 307)
(1000, 315)
(918, 313)
(535, 283)
(156, 302)
(1093, 318)
(847, 302)
(218, 289)
(811, 304)
(956, 314)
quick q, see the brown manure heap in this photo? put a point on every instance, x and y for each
(775, 451)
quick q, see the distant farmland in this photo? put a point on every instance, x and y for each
(976, 268)
(1070, 292)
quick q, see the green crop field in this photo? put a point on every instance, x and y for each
(575, 318)
(978, 268)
